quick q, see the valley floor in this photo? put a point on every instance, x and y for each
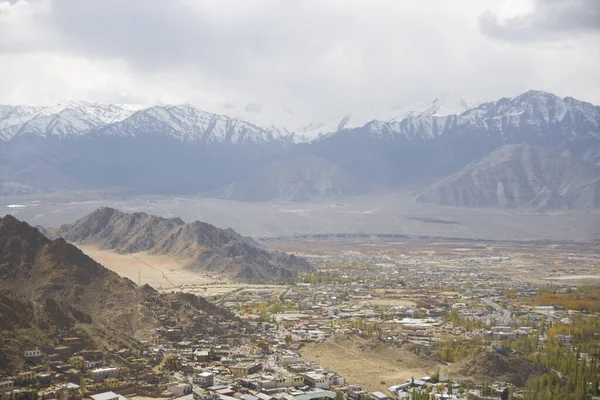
(383, 214)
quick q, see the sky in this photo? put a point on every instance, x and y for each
(309, 59)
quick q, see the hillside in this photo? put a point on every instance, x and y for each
(519, 176)
(208, 247)
(49, 287)
(299, 179)
(498, 366)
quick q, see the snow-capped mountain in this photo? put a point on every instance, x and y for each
(187, 123)
(214, 124)
(537, 112)
(438, 107)
(65, 118)
(185, 149)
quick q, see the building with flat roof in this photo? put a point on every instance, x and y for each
(107, 396)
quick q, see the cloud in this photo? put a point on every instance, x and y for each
(314, 58)
(547, 20)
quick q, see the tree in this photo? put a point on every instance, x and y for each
(82, 386)
(339, 395)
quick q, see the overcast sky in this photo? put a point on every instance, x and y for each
(314, 58)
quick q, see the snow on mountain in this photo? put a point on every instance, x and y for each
(187, 123)
(534, 110)
(438, 107)
(257, 123)
(65, 118)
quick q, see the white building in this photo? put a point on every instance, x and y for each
(316, 380)
(32, 353)
(107, 396)
(204, 379)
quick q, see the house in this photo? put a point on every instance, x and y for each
(179, 388)
(77, 362)
(564, 339)
(355, 392)
(201, 355)
(90, 364)
(101, 374)
(107, 396)
(316, 380)
(246, 368)
(204, 379)
(203, 394)
(6, 386)
(25, 377)
(112, 383)
(32, 353)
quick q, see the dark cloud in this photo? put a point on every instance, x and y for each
(548, 20)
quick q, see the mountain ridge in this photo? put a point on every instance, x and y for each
(514, 176)
(204, 246)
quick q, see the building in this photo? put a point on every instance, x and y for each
(179, 388)
(107, 396)
(316, 395)
(101, 374)
(379, 396)
(316, 380)
(26, 377)
(32, 353)
(173, 361)
(564, 339)
(112, 383)
(204, 379)
(246, 368)
(201, 355)
(6, 386)
(203, 394)
(77, 362)
(503, 332)
(273, 382)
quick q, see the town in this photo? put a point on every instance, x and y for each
(379, 319)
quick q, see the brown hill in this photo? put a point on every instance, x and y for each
(49, 287)
(499, 365)
(211, 249)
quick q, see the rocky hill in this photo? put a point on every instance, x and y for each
(519, 176)
(207, 247)
(49, 287)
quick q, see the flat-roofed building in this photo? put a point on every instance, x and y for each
(6, 386)
(101, 374)
(246, 368)
(316, 380)
(204, 379)
(107, 396)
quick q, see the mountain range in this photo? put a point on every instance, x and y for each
(184, 150)
(203, 246)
